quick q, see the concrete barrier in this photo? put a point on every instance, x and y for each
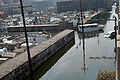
(47, 27)
(18, 68)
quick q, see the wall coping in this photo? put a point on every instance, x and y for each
(12, 64)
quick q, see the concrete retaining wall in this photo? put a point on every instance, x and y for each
(48, 27)
(17, 68)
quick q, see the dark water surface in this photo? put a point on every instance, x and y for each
(82, 63)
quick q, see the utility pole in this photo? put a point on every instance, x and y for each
(84, 67)
(115, 28)
(81, 15)
(97, 6)
(27, 44)
(82, 21)
(116, 55)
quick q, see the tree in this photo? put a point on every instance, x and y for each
(30, 11)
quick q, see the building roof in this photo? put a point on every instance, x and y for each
(54, 25)
(2, 12)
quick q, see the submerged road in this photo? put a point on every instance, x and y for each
(84, 64)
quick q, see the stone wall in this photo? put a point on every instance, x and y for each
(18, 68)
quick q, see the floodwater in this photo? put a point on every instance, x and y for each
(85, 58)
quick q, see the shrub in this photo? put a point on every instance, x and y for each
(104, 75)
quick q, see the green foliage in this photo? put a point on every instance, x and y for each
(104, 75)
(30, 11)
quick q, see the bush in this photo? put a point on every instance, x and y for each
(104, 75)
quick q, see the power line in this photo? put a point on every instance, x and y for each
(27, 44)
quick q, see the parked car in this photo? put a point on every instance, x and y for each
(110, 34)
